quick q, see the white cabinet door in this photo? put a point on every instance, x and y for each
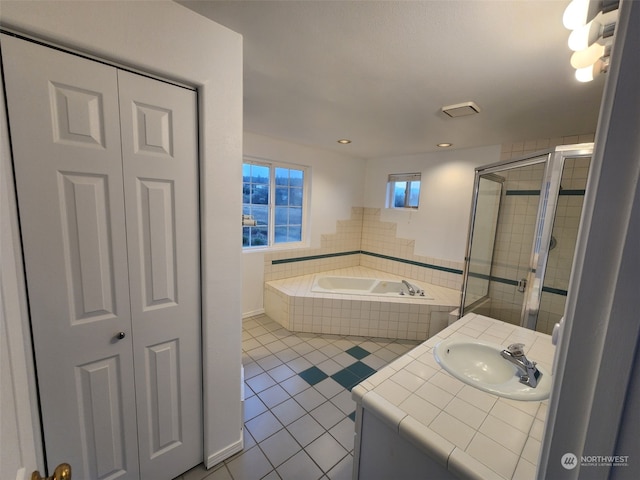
(116, 326)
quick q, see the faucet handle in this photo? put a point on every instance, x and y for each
(516, 349)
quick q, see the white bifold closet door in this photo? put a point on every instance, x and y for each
(107, 184)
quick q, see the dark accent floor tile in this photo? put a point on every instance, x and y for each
(352, 416)
(361, 370)
(313, 375)
(346, 378)
(358, 352)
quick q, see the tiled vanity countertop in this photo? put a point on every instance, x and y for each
(472, 433)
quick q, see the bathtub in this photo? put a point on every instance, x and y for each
(359, 301)
(364, 286)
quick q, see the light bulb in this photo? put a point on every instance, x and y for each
(579, 38)
(588, 56)
(584, 74)
(575, 15)
(587, 74)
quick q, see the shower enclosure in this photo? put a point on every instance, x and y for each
(524, 224)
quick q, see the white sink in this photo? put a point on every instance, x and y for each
(480, 365)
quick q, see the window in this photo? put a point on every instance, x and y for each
(272, 204)
(403, 190)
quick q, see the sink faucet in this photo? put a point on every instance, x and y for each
(527, 370)
(412, 291)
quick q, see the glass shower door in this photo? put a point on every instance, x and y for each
(495, 285)
(562, 244)
(480, 259)
(520, 248)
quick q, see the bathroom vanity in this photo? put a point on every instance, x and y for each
(415, 420)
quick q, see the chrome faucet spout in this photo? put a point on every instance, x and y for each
(410, 288)
(527, 370)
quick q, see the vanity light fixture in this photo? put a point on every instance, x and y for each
(444, 145)
(592, 24)
(344, 141)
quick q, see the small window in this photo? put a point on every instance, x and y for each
(273, 198)
(403, 190)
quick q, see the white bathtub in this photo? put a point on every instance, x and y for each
(364, 286)
(359, 301)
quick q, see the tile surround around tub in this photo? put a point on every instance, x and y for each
(292, 304)
(364, 240)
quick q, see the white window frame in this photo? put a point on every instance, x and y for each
(398, 178)
(306, 182)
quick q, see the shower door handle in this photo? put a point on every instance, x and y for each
(522, 285)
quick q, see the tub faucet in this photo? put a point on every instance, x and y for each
(412, 291)
(527, 370)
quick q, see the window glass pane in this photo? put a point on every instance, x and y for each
(259, 174)
(295, 216)
(295, 197)
(272, 193)
(280, 235)
(294, 233)
(257, 236)
(260, 194)
(414, 194)
(296, 178)
(282, 215)
(288, 234)
(282, 176)
(282, 196)
(399, 189)
(246, 193)
(260, 214)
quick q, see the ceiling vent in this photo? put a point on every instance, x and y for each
(461, 109)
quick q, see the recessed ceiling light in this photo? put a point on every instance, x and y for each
(344, 141)
(444, 145)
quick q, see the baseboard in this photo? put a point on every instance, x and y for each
(253, 313)
(220, 455)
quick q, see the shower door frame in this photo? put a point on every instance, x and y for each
(554, 160)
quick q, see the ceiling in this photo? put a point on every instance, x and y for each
(378, 72)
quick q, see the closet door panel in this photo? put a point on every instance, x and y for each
(63, 115)
(159, 140)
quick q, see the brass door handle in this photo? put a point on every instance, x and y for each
(62, 472)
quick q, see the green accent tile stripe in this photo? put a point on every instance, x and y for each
(557, 291)
(314, 257)
(413, 262)
(508, 281)
(378, 255)
(537, 192)
(522, 192)
(572, 192)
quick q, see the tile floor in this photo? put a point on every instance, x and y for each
(298, 412)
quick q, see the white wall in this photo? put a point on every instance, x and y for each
(441, 222)
(337, 184)
(169, 40)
